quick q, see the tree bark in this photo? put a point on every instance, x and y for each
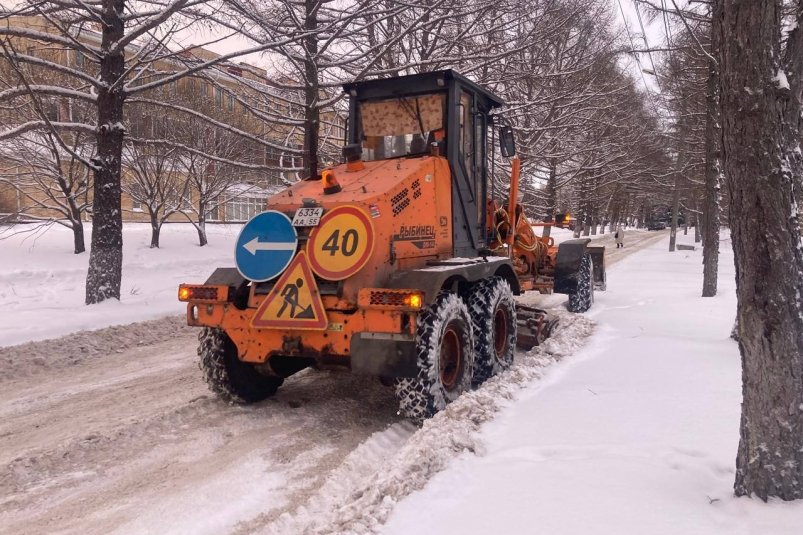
(311, 90)
(156, 228)
(673, 229)
(201, 226)
(78, 236)
(761, 128)
(712, 172)
(551, 195)
(106, 258)
(77, 225)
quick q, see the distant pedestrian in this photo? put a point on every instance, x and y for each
(620, 237)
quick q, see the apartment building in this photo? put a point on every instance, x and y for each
(184, 141)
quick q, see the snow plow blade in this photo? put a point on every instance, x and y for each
(534, 326)
(597, 253)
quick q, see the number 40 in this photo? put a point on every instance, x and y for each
(347, 245)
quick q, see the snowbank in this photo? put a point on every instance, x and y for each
(42, 281)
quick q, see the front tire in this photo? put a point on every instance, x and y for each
(582, 299)
(445, 348)
(226, 375)
(493, 312)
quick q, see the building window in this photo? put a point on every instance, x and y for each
(218, 97)
(243, 208)
(231, 102)
(51, 109)
(136, 193)
(79, 59)
(182, 200)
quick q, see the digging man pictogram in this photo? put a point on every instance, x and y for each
(290, 294)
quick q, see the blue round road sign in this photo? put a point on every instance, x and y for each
(265, 246)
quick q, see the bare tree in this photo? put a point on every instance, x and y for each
(128, 47)
(210, 181)
(53, 182)
(760, 88)
(690, 83)
(156, 184)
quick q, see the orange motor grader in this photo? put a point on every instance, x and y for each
(397, 263)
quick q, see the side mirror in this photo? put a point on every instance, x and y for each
(507, 141)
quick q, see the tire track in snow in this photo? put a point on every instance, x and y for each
(359, 496)
(134, 440)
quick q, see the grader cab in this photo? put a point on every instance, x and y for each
(397, 263)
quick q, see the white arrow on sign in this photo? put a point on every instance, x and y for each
(255, 245)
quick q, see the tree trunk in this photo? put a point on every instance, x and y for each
(106, 257)
(77, 225)
(679, 163)
(551, 195)
(712, 142)
(201, 228)
(74, 215)
(78, 235)
(673, 229)
(156, 228)
(311, 89)
(761, 128)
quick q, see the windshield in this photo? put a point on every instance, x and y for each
(401, 126)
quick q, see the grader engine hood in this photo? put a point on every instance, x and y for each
(313, 251)
(406, 200)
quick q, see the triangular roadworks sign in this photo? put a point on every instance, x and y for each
(294, 301)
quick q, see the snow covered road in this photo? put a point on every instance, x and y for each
(133, 442)
(113, 431)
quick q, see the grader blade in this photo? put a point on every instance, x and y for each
(534, 326)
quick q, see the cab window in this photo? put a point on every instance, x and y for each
(401, 126)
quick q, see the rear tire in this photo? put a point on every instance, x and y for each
(226, 375)
(493, 313)
(445, 348)
(582, 299)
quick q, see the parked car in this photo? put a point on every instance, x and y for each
(656, 225)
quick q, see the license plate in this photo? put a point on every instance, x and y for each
(307, 217)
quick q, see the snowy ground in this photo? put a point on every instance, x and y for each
(113, 431)
(42, 281)
(625, 422)
(637, 433)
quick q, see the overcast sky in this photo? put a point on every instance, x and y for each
(653, 36)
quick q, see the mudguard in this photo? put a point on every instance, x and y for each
(567, 265)
(447, 273)
(229, 276)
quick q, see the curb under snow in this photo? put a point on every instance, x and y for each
(359, 496)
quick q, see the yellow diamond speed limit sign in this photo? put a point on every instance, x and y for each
(341, 244)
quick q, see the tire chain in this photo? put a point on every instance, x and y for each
(482, 304)
(419, 397)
